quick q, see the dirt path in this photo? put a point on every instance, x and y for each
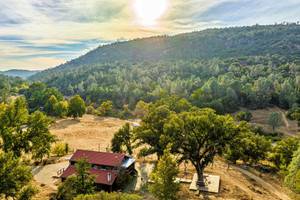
(261, 118)
(143, 175)
(268, 186)
(284, 118)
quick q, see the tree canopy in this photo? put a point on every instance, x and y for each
(22, 133)
(275, 120)
(151, 131)
(200, 134)
(76, 107)
(122, 137)
(15, 178)
(292, 180)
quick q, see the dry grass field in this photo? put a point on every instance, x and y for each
(87, 132)
(260, 117)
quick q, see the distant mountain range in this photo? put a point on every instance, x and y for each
(19, 72)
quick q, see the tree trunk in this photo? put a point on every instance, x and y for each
(200, 181)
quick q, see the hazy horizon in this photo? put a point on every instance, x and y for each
(37, 35)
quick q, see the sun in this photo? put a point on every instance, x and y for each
(149, 11)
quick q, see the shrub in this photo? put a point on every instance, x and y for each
(244, 116)
(67, 148)
(105, 108)
(90, 110)
(59, 149)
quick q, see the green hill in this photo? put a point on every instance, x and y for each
(222, 43)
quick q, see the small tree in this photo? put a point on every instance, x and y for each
(105, 108)
(292, 180)
(244, 116)
(27, 193)
(283, 152)
(124, 137)
(67, 148)
(59, 149)
(126, 110)
(12, 119)
(61, 109)
(164, 186)
(76, 185)
(50, 105)
(66, 190)
(141, 109)
(90, 110)
(296, 115)
(39, 135)
(15, 178)
(275, 120)
(84, 182)
(76, 107)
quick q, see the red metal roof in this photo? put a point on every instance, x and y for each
(99, 158)
(101, 174)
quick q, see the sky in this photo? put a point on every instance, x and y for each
(40, 34)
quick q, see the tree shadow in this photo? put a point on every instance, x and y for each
(64, 123)
(98, 118)
(37, 169)
(132, 185)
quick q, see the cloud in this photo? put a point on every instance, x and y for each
(38, 63)
(54, 31)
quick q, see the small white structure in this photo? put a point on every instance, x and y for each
(212, 183)
(136, 124)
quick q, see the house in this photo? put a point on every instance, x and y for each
(106, 166)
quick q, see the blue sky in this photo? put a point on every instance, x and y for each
(39, 34)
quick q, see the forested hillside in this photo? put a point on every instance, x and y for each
(222, 43)
(220, 84)
(257, 66)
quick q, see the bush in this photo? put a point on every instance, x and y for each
(292, 180)
(244, 116)
(108, 196)
(105, 108)
(67, 148)
(90, 110)
(274, 136)
(59, 149)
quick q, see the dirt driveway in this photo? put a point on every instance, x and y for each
(44, 174)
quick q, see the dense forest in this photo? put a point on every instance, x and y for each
(224, 85)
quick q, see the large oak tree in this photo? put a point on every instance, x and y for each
(200, 134)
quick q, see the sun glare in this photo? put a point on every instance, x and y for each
(149, 11)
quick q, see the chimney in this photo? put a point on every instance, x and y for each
(108, 177)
